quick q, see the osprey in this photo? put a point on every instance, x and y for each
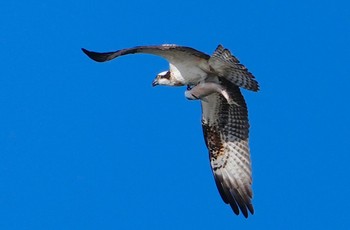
(215, 80)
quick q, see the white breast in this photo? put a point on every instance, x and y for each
(189, 72)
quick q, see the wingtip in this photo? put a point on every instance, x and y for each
(98, 57)
(84, 50)
(256, 88)
(245, 215)
(249, 209)
(238, 208)
(234, 208)
(87, 52)
(244, 212)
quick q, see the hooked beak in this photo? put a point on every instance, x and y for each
(155, 82)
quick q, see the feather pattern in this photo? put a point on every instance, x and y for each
(228, 66)
(226, 131)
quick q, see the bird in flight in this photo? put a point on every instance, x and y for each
(214, 80)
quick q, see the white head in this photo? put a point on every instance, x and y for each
(165, 78)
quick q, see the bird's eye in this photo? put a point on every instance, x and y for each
(166, 76)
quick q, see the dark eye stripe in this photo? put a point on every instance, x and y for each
(166, 76)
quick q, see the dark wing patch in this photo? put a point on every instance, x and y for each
(226, 131)
(166, 51)
(228, 66)
(99, 57)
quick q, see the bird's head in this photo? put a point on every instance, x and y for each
(163, 78)
(166, 78)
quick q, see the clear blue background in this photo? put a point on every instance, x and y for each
(85, 145)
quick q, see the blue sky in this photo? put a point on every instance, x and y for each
(85, 145)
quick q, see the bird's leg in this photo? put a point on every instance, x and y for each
(192, 93)
(194, 96)
(204, 89)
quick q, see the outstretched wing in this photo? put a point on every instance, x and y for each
(229, 67)
(169, 52)
(226, 130)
